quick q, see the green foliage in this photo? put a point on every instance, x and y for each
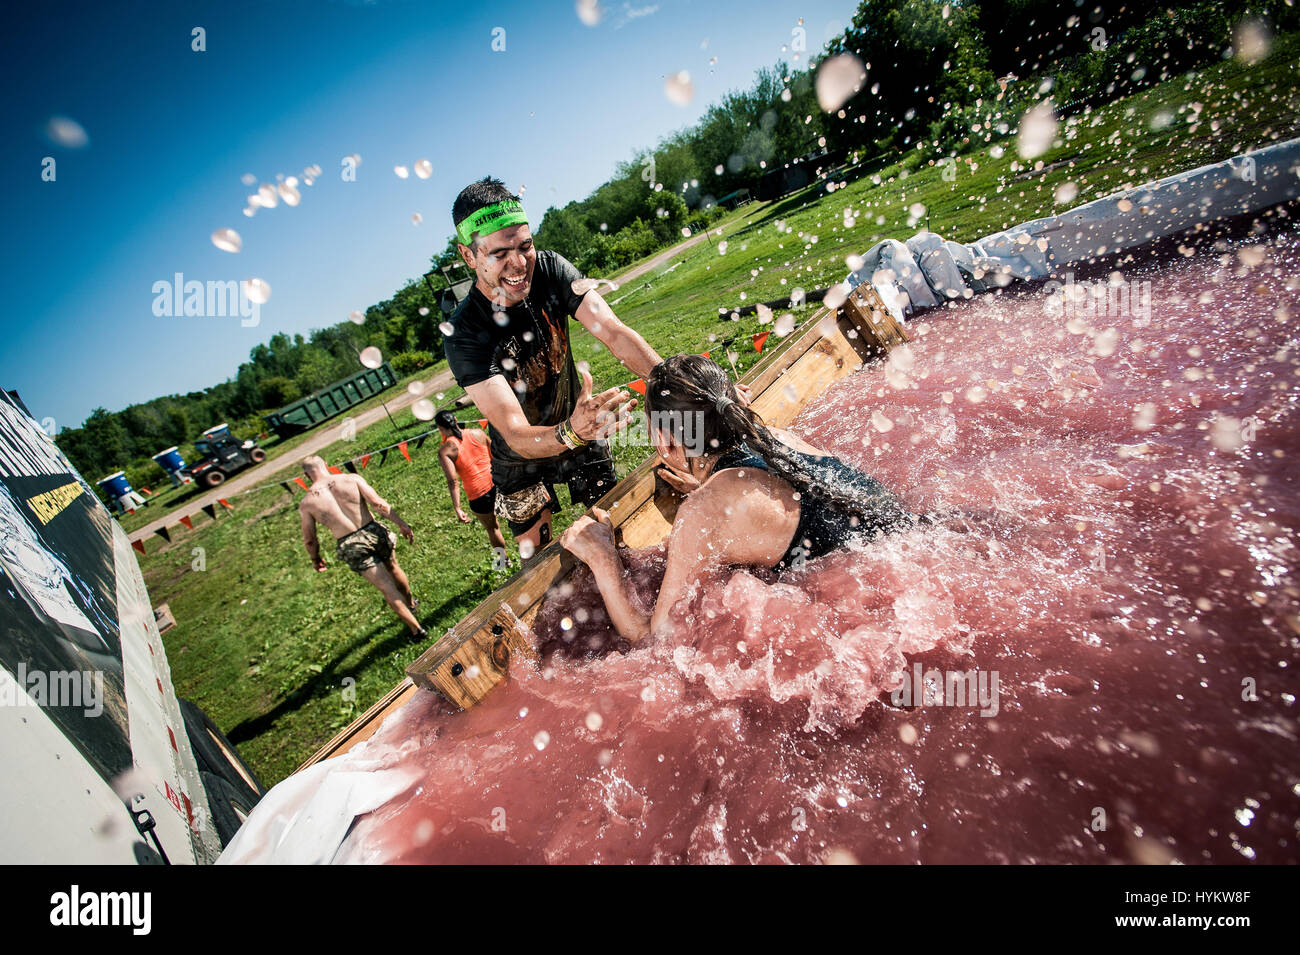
(279, 391)
(634, 242)
(404, 363)
(598, 259)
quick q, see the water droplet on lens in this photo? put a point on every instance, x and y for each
(227, 240)
(257, 290)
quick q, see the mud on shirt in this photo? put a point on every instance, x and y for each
(528, 342)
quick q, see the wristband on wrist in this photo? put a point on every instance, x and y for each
(565, 434)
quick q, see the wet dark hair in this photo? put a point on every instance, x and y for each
(479, 195)
(695, 384)
(445, 419)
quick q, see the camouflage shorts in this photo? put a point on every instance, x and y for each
(366, 547)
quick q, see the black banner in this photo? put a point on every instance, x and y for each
(59, 633)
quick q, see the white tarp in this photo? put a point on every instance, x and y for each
(928, 270)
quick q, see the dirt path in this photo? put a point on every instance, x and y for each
(649, 265)
(265, 473)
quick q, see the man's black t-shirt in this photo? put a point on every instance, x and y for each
(527, 343)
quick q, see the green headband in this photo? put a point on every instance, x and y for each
(491, 219)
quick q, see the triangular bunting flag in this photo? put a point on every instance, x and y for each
(162, 532)
(383, 456)
(638, 386)
(187, 522)
(138, 545)
(334, 470)
(210, 510)
(482, 422)
(352, 468)
(301, 483)
(285, 485)
(759, 340)
(704, 354)
(401, 446)
(419, 444)
(145, 490)
(224, 503)
(365, 459)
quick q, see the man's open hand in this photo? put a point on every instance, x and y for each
(599, 416)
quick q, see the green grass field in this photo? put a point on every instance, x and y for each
(283, 657)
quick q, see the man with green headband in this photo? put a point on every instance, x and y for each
(509, 349)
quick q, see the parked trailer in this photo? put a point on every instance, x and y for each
(331, 400)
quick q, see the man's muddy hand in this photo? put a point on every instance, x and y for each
(599, 416)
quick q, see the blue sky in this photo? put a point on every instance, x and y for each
(284, 84)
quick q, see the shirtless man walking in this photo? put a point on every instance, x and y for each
(342, 503)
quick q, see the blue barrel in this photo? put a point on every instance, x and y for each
(219, 431)
(170, 460)
(115, 485)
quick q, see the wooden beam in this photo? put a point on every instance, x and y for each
(364, 726)
(466, 670)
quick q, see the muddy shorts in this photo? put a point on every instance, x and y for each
(366, 547)
(524, 491)
(485, 504)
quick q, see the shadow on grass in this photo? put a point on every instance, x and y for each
(329, 679)
(320, 684)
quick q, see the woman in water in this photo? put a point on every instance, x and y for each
(759, 496)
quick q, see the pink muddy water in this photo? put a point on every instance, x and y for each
(1135, 594)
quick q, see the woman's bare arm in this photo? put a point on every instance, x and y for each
(730, 520)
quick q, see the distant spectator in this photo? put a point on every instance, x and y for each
(467, 452)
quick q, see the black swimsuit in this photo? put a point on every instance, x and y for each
(823, 525)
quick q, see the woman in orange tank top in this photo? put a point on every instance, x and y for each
(465, 454)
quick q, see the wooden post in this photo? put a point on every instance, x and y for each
(466, 667)
(871, 319)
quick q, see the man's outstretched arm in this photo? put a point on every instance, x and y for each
(624, 343)
(594, 416)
